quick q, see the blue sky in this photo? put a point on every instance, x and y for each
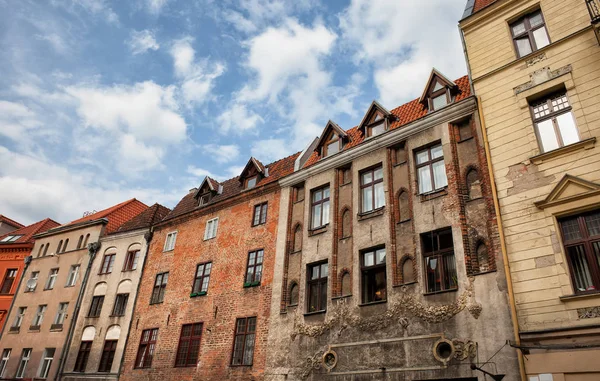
(101, 101)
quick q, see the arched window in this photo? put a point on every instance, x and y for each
(40, 251)
(346, 224)
(298, 238)
(46, 249)
(64, 248)
(85, 241)
(89, 333)
(403, 206)
(59, 248)
(346, 285)
(294, 295)
(473, 184)
(482, 258)
(80, 242)
(408, 271)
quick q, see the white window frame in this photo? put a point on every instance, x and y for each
(6, 352)
(51, 280)
(209, 230)
(39, 315)
(61, 314)
(170, 241)
(23, 361)
(73, 274)
(46, 359)
(20, 316)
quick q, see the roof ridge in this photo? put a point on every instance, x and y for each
(10, 220)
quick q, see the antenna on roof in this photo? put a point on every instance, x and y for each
(89, 213)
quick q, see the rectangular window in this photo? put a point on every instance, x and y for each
(51, 279)
(170, 241)
(82, 356)
(61, 315)
(243, 345)
(18, 319)
(317, 286)
(107, 264)
(205, 198)
(25, 356)
(439, 101)
(108, 355)
(211, 228)
(371, 189)
(160, 286)
(120, 305)
(254, 268)
(9, 279)
(73, 274)
(189, 345)
(581, 240)
(440, 266)
(96, 306)
(46, 362)
(31, 284)
(554, 122)
(202, 278)
(146, 348)
(260, 214)
(373, 276)
(39, 317)
(251, 182)
(319, 207)
(5, 357)
(431, 170)
(529, 33)
(131, 261)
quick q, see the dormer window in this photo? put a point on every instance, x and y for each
(332, 146)
(204, 199)
(376, 120)
(251, 182)
(440, 97)
(331, 141)
(207, 191)
(439, 91)
(377, 125)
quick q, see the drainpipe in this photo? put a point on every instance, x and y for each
(93, 248)
(511, 295)
(148, 238)
(12, 302)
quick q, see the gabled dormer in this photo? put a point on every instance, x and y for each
(332, 140)
(209, 188)
(439, 91)
(376, 121)
(253, 172)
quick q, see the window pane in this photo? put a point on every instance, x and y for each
(317, 195)
(315, 273)
(316, 216)
(436, 152)
(326, 192)
(439, 174)
(323, 301)
(581, 270)
(434, 274)
(568, 129)
(547, 136)
(367, 177)
(422, 156)
(381, 256)
(367, 199)
(450, 267)
(439, 101)
(313, 298)
(369, 259)
(518, 28)
(377, 129)
(333, 148)
(424, 180)
(541, 37)
(379, 195)
(535, 19)
(592, 222)
(324, 270)
(379, 173)
(249, 349)
(523, 46)
(325, 212)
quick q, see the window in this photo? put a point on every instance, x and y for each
(64, 248)
(377, 125)
(254, 269)
(294, 295)
(431, 171)
(371, 189)
(82, 356)
(61, 315)
(260, 214)
(317, 287)
(374, 286)
(85, 241)
(108, 355)
(205, 198)
(146, 348)
(298, 238)
(59, 248)
(211, 228)
(25, 356)
(320, 207)
(18, 319)
(170, 241)
(529, 33)
(51, 279)
(46, 249)
(332, 145)
(243, 346)
(107, 263)
(160, 285)
(9, 279)
(554, 122)
(96, 306)
(200, 285)
(299, 193)
(251, 182)
(131, 261)
(46, 362)
(11, 238)
(80, 242)
(438, 253)
(120, 305)
(581, 239)
(39, 317)
(73, 273)
(439, 97)
(189, 345)
(5, 357)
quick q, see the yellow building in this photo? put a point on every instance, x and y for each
(535, 66)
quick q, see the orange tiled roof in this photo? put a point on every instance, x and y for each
(151, 216)
(407, 113)
(480, 4)
(10, 221)
(117, 215)
(29, 231)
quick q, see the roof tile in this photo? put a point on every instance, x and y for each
(29, 231)
(151, 216)
(117, 215)
(10, 221)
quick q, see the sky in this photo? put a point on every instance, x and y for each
(102, 101)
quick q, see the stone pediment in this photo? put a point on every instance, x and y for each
(569, 188)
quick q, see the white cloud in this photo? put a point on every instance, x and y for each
(142, 41)
(201, 173)
(137, 156)
(17, 120)
(95, 7)
(269, 150)
(404, 40)
(237, 119)
(155, 6)
(222, 153)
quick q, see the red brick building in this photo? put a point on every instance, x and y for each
(202, 311)
(14, 247)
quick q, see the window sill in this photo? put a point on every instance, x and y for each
(434, 194)
(586, 295)
(465, 140)
(208, 239)
(405, 284)
(49, 289)
(262, 223)
(403, 221)
(164, 251)
(92, 317)
(321, 312)
(69, 285)
(475, 199)
(484, 272)
(34, 328)
(195, 294)
(56, 328)
(584, 144)
(372, 303)
(116, 316)
(371, 214)
(298, 201)
(127, 270)
(241, 366)
(317, 231)
(296, 252)
(345, 238)
(344, 184)
(293, 305)
(14, 330)
(341, 297)
(251, 284)
(153, 303)
(400, 163)
(440, 292)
